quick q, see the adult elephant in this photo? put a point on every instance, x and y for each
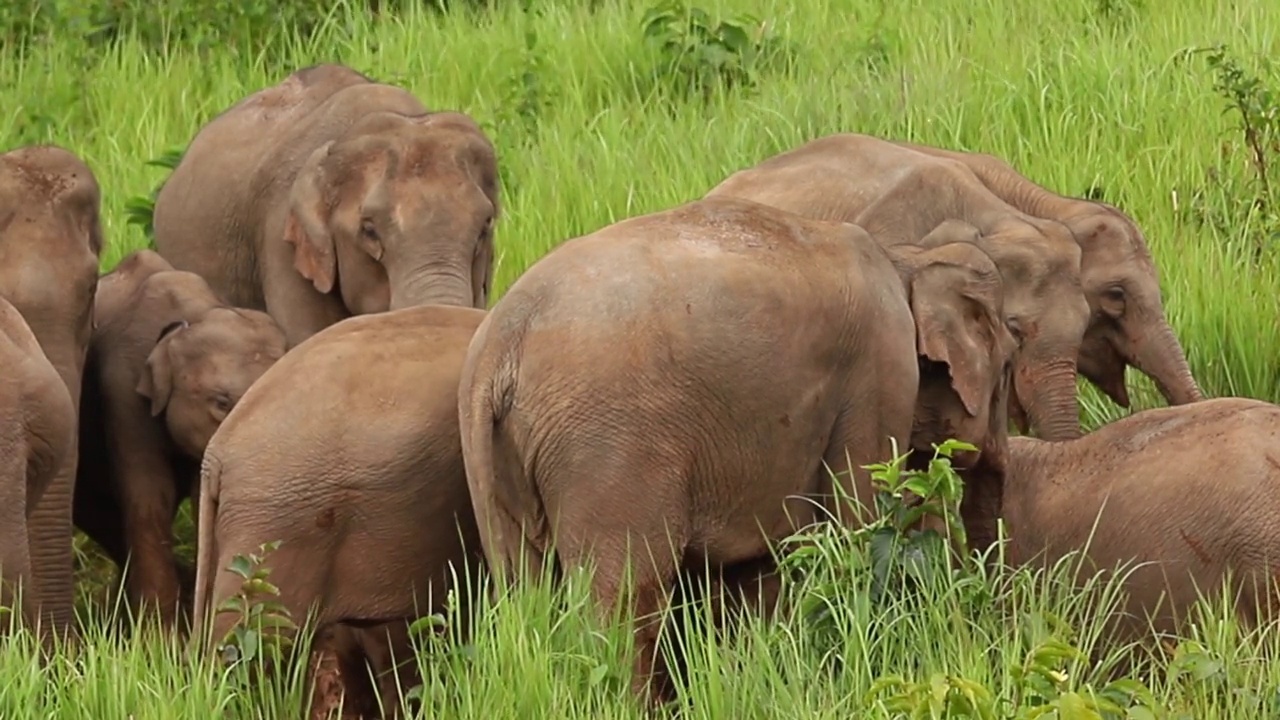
(50, 242)
(364, 486)
(900, 196)
(1127, 325)
(755, 352)
(330, 195)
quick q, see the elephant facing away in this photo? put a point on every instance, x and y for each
(347, 451)
(1127, 324)
(675, 403)
(167, 361)
(1191, 491)
(37, 434)
(50, 242)
(329, 195)
(899, 196)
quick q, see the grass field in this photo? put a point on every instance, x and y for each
(588, 133)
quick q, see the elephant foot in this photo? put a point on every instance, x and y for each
(339, 688)
(326, 686)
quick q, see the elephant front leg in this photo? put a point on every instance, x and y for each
(151, 573)
(864, 434)
(294, 303)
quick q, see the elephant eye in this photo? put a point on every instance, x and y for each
(1115, 292)
(367, 229)
(223, 402)
(1015, 328)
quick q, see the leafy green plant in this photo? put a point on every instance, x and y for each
(907, 560)
(1253, 97)
(700, 52)
(255, 608)
(897, 547)
(140, 210)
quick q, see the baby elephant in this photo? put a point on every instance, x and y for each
(167, 361)
(347, 452)
(680, 381)
(37, 430)
(1193, 491)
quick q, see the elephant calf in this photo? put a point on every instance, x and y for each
(167, 361)
(347, 451)
(1193, 491)
(37, 434)
(677, 381)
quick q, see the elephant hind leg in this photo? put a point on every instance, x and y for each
(649, 578)
(390, 666)
(640, 561)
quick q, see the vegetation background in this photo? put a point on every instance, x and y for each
(605, 109)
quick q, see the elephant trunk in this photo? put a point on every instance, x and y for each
(50, 523)
(1047, 392)
(1160, 357)
(435, 285)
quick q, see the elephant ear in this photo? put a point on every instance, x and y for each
(950, 231)
(951, 313)
(156, 382)
(306, 226)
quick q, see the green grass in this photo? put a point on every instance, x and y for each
(1071, 99)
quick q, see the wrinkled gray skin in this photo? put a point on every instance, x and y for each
(50, 240)
(1193, 489)
(330, 195)
(1127, 325)
(689, 383)
(37, 434)
(899, 196)
(363, 483)
(167, 362)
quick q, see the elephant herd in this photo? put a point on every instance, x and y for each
(308, 355)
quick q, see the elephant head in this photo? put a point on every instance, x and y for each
(199, 370)
(1128, 325)
(1045, 308)
(398, 212)
(965, 348)
(50, 241)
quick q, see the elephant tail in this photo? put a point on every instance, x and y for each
(508, 508)
(206, 553)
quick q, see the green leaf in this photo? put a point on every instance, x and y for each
(1072, 706)
(249, 644)
(240, 566)
(276, 621)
